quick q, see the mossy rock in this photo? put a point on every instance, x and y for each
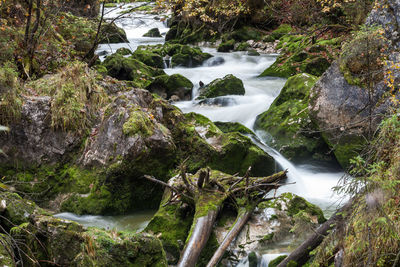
(300, 54)
(282, 30)
(347, 148)
(17, 210)
(317, 66)
(130, 69)
(67, 243)
(245, 33)
(243, 46)
(298, 204)
(149, 58)
(124, 51)
(154, 32)
(253, 53)
(112, 34)
(275, 262)
(231, 152)
(181, 55)
(172, 222)
(294, 205)
(226, 46)
(230, 127)
(186, 56)
(167, 86)
(288, 122)
(239, 153)
(229, 85)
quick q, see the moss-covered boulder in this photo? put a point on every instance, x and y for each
(124, 51)
(186, 56)
(112, 34)
(229, 85)
(175, 85)
(230, 127)
(236, 152)
(246, 33)
(68, 243)
(130, 69)
(179, 55)
(172, 224)
(303, 54)
(243, 46)
(149, 58)
(154, 32)
(288, 123)
(15, 210)
(226, 46)
(279, 32)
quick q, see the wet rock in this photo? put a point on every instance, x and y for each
(149, 58)
(175, 85)
(67, 243)
(339, 110)
(287, 220)
(112, 34)
(218, 101)
(130, 69)
(229, 85)
(124, 51)
(226, 46)
(288, 123)
(215, 61)
(155, 32)
(230, 127)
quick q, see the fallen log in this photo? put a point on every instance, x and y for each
(209, 196)
(243, 216)
(202, 228)
(302, 253)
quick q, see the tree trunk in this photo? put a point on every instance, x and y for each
(243, 217)
(202, 228)
(301, 254)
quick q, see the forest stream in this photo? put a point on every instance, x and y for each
(312, 181)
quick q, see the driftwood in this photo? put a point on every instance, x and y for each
(301, 254)
(209, 196)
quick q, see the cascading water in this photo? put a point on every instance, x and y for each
(311, 181)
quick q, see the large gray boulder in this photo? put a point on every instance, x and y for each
(352, 96)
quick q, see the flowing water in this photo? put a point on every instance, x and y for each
(311, 181)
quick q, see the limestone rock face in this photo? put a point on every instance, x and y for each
(342, 112)
(33, 140)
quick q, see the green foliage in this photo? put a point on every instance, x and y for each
(362, 59)
(75, 97)
(374, 186)
(302, 54)
(10, 99)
